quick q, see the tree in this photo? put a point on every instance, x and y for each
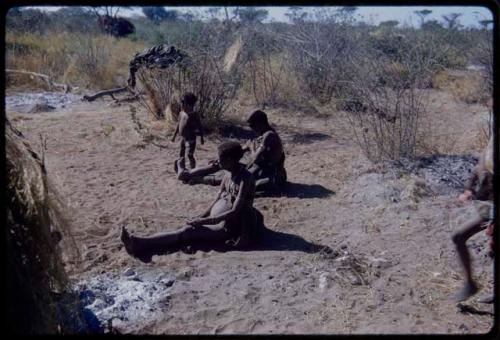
(157, 14)
(251, 14)
(74, 19)
(213, 13)
(452, 20)
(485, 23)
(422, 14)
(296, 14)
(389, 23)
(346, 13)
(431, 25)
(27, 20)
(109, 22)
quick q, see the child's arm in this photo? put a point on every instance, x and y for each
(176, 132)
(221, 189)
(206, 213)
(238, 204)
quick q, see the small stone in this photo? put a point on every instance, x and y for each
(167, 282)
(270, 277)
(356, 281)
(323, 281)
(129, 272)
(380, 263)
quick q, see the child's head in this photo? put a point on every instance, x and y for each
(258, 121)
(188, 100)
(230, 153)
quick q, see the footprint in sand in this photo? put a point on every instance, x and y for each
(239, 325)
(252, 294)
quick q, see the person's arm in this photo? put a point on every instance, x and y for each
(176, 131)
(206, 213)
(248, 146)
(471, 183)
(268, 143)
(235, 209)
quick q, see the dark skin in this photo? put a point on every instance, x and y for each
(270, 147)
(234, 167)
(209, 226)
(189, 123)
(460, 238)
(269, 142)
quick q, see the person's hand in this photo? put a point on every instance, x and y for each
(194, 221)
(248, 144)
(463, 197)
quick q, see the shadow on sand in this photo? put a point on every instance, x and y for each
(268, 240)
(299, 190)
(307, 137)
(235, 131)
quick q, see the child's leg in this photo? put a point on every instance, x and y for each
(182, 152)
(191, 149)
(460, 238)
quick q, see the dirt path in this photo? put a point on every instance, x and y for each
(395, 265)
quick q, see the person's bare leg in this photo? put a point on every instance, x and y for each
(191, 150)
(144, 248)
(487, 299)
(132, 248)
(262, 184)
(460, 238)
(182, 152)
(196, 175)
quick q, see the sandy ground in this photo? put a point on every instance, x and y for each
(394, 265)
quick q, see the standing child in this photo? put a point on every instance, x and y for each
(188, 126)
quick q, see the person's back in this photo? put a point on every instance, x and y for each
(189, 124)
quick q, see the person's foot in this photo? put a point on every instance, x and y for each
(487, 299)
(466, 292)
(130, 247)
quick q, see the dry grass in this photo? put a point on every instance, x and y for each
(466, 87)
(35, 215)
(87, 61)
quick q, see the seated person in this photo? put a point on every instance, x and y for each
(229, 221)
(266, 163)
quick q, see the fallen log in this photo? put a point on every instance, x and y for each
(110, 93)
(66, 87)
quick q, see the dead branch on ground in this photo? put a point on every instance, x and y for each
(110, 93)
(51, 84)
